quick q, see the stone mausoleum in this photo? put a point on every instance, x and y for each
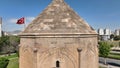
(58, 38)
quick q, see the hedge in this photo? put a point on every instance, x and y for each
(3, 62)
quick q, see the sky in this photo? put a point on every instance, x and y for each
(97, 13)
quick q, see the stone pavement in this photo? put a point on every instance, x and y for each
(107, 66)
(116, 48)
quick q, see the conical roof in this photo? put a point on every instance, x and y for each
(58, 17)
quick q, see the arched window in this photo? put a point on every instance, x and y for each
(57, 64)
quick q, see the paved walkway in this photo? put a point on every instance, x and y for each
(107, 66)
(112, 63)
(115, 48)
(117, 52)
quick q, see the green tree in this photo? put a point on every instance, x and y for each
(14, 42)
(104, 50)
(4, 40)
(119, 44)
(112, 36)
(117, 38)
(9, 44)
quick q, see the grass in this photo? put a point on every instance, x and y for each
(114, 56)
(13, 63)
(114, 43)
(9, 57)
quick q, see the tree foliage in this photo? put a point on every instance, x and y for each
(111, 36)
(9, 43)
(119, 44)
(4, 40)
(117, 38)
(104, 49)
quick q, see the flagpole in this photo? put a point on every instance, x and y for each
(22, 21)
(24, 25)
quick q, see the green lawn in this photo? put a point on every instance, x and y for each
(114, 56)
(13, 63)
(9, 57)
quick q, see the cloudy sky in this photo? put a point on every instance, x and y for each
(98, 13)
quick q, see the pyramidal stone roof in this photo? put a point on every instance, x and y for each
(58, 17)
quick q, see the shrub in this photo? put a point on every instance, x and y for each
(3, 62)
(111, 45)
(117, 38)
(119, 44)
(17, 53)
(104, 49)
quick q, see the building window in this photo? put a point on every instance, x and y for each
(57, 64)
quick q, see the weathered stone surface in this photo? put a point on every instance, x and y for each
(49, 50)
(55, 36)
(58, 17)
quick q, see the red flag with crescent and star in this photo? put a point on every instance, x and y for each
(20, 21)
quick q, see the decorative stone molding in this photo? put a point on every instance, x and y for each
(79, 49)
(35, 50)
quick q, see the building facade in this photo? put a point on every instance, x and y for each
(117, 32)
(104, 34)
(58, 38)
(100, 31)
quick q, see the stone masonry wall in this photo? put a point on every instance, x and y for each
(44, 52)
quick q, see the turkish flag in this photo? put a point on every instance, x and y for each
(20, 21)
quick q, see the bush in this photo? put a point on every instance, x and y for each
(117, 38)
(104, 49)
(111, 45)
(17, 53)
(119, 44)
(3, 62)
